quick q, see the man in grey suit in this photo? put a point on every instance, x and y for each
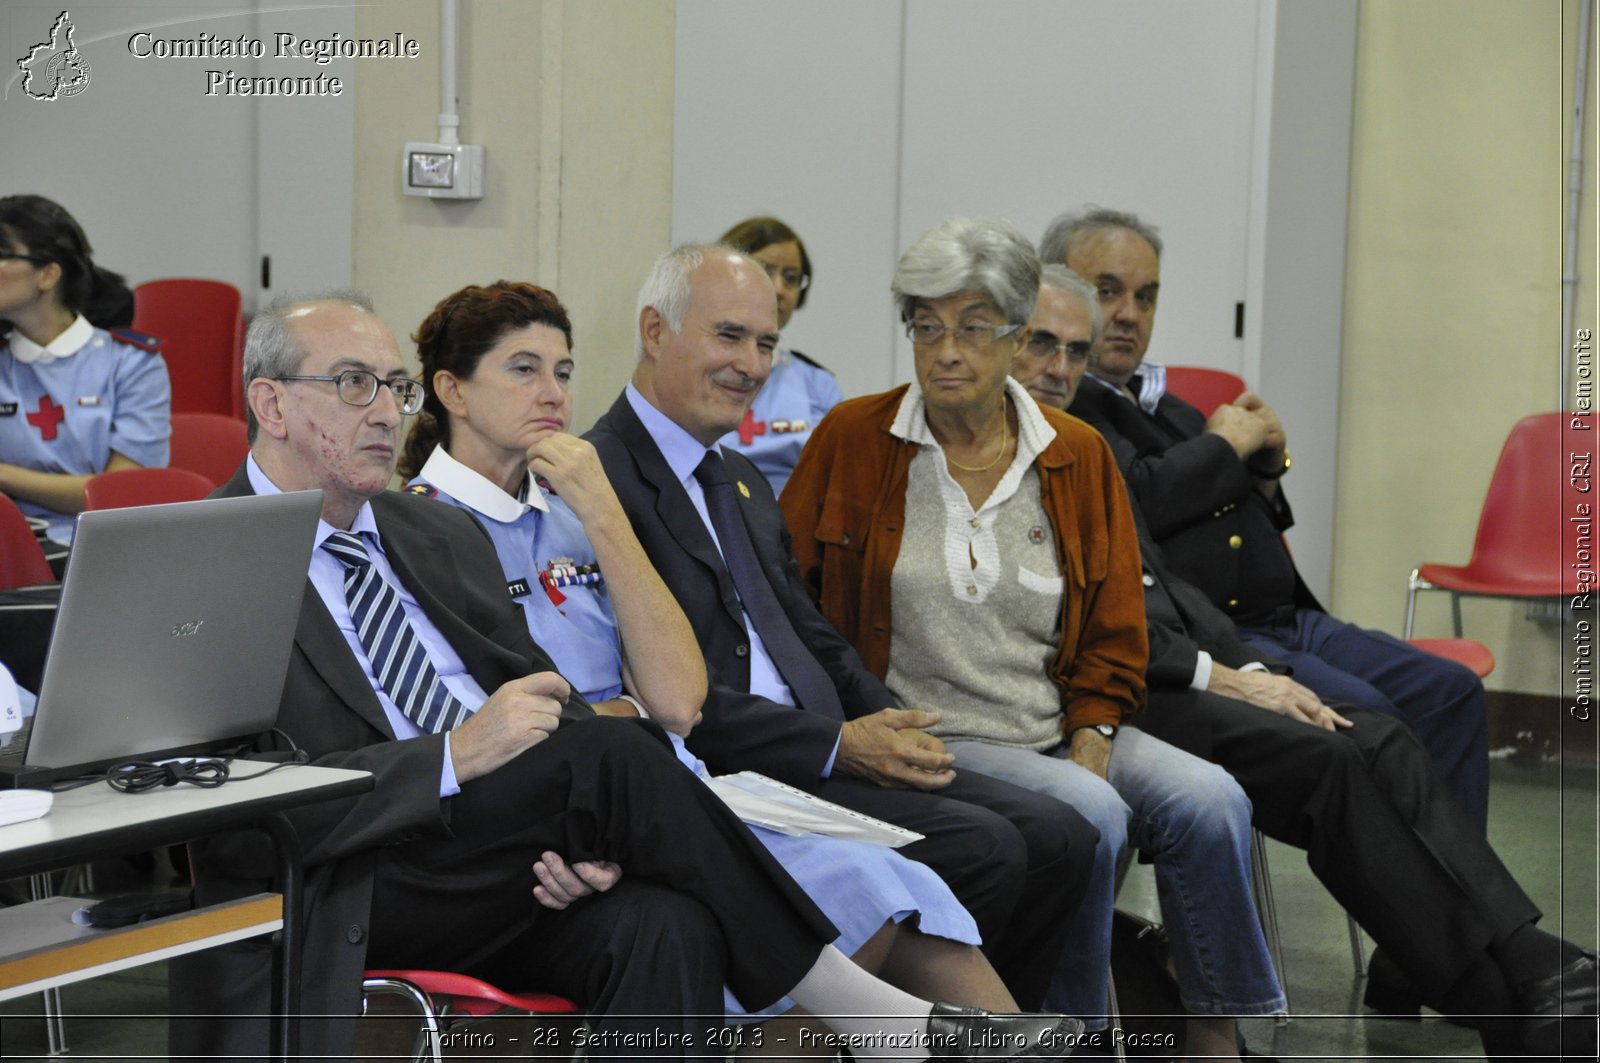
(789, 696)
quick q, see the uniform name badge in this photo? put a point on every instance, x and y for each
(519, 588)
(9, 409)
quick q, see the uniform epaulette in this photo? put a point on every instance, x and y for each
(425, 490)
(142, 340)
(811, 361)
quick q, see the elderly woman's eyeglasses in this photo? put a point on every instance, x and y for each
(969, 335)
(37, 260)
(357, 387)
(1046, 346)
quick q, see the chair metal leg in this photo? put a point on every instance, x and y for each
(1455, 611)
(1358, 947)
(429, 1044)
(55, 1024)
(1267, 909)
(1413, 585)
(1116, 1017)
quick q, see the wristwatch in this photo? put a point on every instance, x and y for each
(1107, 731)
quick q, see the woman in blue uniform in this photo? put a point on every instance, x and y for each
(799, 391)
(75, 399)
(492, 439)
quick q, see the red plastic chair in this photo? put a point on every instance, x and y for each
(1526, 545)
(22, 561)
(144, 487)
(203, 329)
(446, 998)
(1469, 653)
(1204, 389)
(210, 444)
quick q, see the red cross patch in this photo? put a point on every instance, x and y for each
(749, 428)
(48, 418)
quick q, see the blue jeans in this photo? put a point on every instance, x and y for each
(1442, 702)
(1194, 821)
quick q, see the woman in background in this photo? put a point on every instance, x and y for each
(75, 399)
(799, 391)
(492, 439)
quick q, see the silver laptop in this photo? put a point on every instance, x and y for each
(173, 634)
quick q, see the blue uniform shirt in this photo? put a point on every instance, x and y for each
(550, 568)
(789, 405)
(66, 406)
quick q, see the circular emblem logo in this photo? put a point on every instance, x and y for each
(67, 73)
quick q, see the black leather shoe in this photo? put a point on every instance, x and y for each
(972, 1034)
(1560, 1010)
(1389, 992)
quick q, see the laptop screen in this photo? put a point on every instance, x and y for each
(174, 632)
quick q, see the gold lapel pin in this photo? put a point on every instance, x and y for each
(743, 490)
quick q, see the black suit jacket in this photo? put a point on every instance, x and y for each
(447, 561)
(1200, 503)
(1182, 622)
(739, 731)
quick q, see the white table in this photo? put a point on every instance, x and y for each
(43, 948)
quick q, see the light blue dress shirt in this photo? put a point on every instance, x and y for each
(684, 454)
(327, 577)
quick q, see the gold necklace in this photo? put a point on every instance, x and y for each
(1005, 440)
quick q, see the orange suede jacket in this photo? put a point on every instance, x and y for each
(845, 505)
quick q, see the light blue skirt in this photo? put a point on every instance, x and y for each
(859, 887)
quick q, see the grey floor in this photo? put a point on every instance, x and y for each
(1543, 822)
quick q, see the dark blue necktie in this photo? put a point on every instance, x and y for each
(398, 657)
(797, 664)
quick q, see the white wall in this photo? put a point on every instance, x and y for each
(142, 158)
(572, 99)
(163, 178)
(1027, 108)
(793, 110)
(1294, 284)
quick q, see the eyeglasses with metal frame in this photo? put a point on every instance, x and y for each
(1046, 347)
(972, 335)
(358, 387)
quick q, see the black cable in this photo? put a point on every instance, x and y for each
(141, 776)
(137, 776)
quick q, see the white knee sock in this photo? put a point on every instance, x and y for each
(888, 1022)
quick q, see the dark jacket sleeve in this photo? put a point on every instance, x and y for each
(1177, 484)
(1182, 622)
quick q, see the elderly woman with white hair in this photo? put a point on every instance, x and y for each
(979, 552)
